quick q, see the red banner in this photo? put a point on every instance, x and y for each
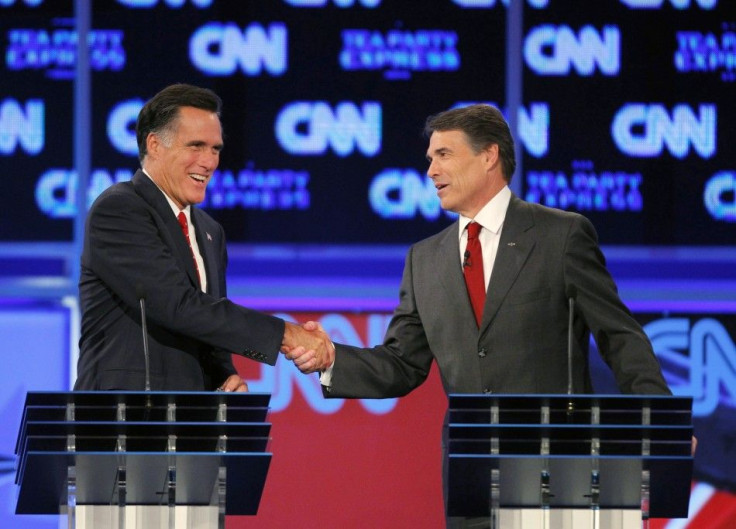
(352, 467)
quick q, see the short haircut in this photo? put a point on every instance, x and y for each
(483, 125)
(159, 115)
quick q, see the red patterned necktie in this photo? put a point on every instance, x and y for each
(473, 271)
(185, 229)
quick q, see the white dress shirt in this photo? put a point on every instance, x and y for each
(490, 217)
(192, 235)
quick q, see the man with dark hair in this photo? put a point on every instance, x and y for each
(145, 239)
(487, 298)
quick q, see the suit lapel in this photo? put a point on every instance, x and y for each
(513, 250)
(155, 198)
(204, 241)
(451, 273)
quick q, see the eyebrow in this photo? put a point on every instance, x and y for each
(200, 143)
(440, 150)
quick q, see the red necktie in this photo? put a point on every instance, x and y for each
(185, 229)
(473, 271)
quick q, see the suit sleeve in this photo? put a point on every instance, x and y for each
(394, 368)
(621, 341)
(130, 250)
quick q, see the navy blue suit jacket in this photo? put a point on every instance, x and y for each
(134, 245)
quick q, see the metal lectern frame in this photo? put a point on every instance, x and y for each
(123, 448)
(569, 452)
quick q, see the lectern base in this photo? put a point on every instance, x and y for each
(570, 519)
(145, 517)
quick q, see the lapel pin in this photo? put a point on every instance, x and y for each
(209, 237)
(510, 244)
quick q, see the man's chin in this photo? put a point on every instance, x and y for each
(448, 206)
(197, 199)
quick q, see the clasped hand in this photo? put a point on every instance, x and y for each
(308, 347)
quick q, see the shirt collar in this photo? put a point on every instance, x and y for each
(491, 215)
(174, 207)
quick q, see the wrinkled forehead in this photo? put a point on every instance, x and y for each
(197, 122)
(447, 140)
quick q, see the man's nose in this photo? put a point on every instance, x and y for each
(210, 159)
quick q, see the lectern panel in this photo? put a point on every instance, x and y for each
(142, 448)
(569, 451)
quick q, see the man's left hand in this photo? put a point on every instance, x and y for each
(234, 384)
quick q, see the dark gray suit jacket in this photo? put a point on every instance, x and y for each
(544, 255)
(521, 346)
(134, 245)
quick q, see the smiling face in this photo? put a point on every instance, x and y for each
(181, 161)
(465, 180)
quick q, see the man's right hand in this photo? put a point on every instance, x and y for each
(309, 347)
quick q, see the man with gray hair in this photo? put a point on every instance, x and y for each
(487, 298)
(145, 239)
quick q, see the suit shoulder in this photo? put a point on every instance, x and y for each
(431, 242)
(205, 220)
(206, 217)
(542, 211)
(122, 192)
(550, 216)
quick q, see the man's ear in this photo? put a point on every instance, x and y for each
(153, 145)
(491, 155)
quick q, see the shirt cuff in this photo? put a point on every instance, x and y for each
(325, 377)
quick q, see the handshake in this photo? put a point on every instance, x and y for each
(308, 346)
